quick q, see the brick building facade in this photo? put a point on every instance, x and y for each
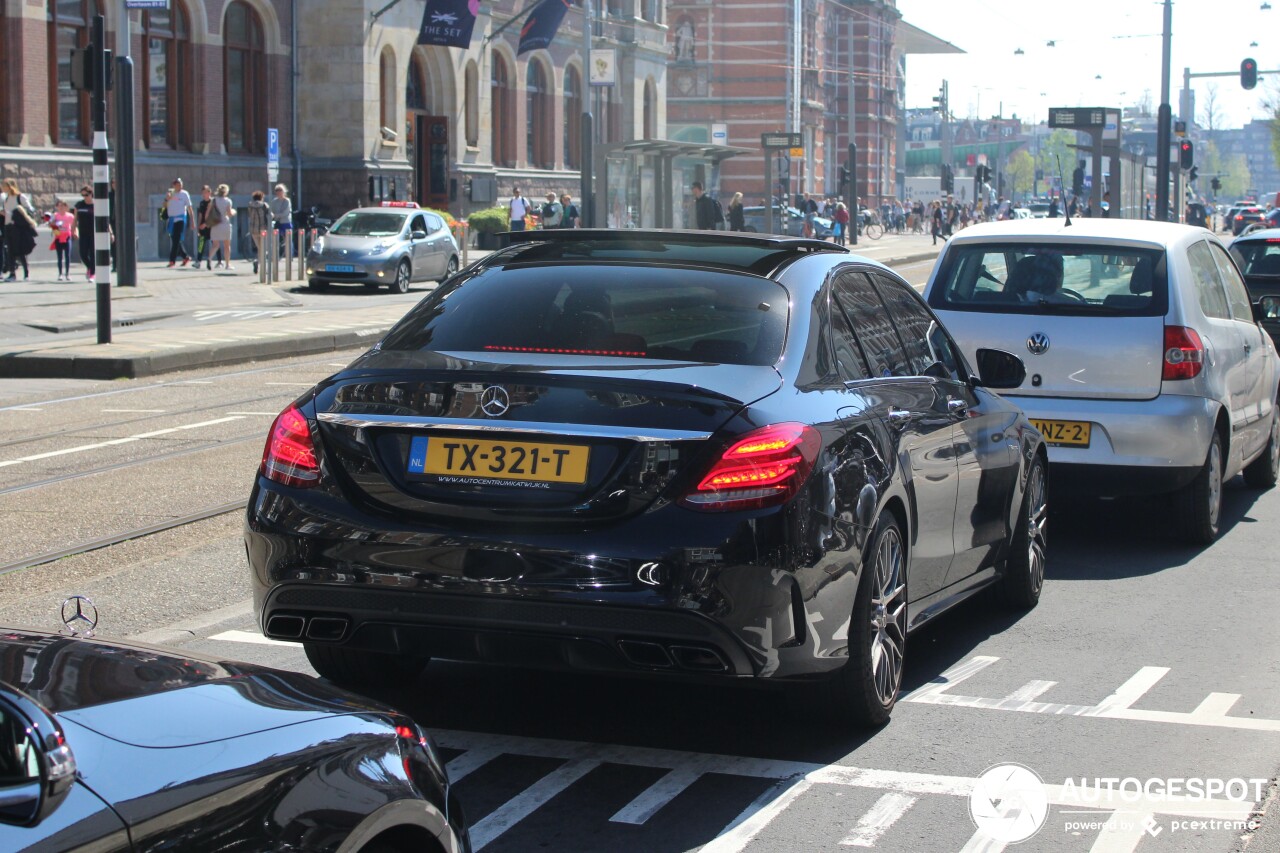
(377, 115)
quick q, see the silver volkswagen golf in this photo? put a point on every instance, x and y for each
(392, 245)
(1146, 369)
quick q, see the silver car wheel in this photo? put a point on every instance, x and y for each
(402, 277)
(1215, 482)
(888, 617)
(1037, 527)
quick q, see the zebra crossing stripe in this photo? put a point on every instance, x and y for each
(876, 822)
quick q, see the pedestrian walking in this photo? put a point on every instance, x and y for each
(705, 217)
(281, 210)
(840, 216)
(63, 225)
(572, 217)
(221, 211)
(809, 208)
(202, 229)
(937, 218)
(737, 216)
(19, 228)
(259, 223)
(519, 209)
(180, 215)
(85, 232)
(551, 212)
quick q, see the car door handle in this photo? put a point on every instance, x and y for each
(897, 417)
(1247, 346)
(957, 407)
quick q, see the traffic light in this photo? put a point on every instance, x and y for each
(1248, 73)
(1195, 172)
(83, 63)
(1216, 184)
(1186, 153)
(948, 179)
(1077, 181)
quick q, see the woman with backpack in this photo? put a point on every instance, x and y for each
(219, 215)
(259, 223)
(19, 229)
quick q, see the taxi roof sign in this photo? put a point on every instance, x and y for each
(412, 204)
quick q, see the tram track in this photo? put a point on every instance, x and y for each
(88, 545)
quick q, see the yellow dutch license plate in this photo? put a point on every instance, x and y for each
(1064, 433)
(502, 460)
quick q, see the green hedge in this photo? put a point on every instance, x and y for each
(490, 221)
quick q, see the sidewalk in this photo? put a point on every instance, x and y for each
(178, 319)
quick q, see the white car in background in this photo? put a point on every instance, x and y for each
(1146, 369)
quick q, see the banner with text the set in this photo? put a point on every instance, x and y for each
(540, 27)
(448, 23)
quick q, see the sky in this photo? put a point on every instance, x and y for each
(1106, 53)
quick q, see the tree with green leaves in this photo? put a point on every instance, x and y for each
(1019, 171)
(1057, 150)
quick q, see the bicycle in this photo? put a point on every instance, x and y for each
(872, 227)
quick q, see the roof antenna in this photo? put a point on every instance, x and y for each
(1062, 185)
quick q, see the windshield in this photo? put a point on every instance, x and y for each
(357, 224)
(1028, 279)
(619, 311)
(1257, 257)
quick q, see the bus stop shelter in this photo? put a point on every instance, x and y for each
(645, 183)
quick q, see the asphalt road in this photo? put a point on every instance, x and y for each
(1145, 660)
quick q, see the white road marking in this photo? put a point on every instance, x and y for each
(793, 778)
(1212, 712)
(657, 795)
(194, 381)
(980, 842)
(251, 637)
(876, 822)
(115, 441)
(1121, 835)
(524, 804)
(141, 411)
(24, 409)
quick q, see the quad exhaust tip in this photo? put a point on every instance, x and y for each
(293, 626)
(286, 627)
(650, 655)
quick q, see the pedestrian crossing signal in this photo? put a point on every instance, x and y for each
(1186, 154)
(1248, 74)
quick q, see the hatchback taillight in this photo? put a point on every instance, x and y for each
(764, 468)
(290, 455)
(1183, 353)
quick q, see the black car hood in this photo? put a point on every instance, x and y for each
(153, 697)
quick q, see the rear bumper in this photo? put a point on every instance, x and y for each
(671, 591)
(1136, 446)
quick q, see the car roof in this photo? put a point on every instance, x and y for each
(401, 210)
(1081, 229)
(1266, 235)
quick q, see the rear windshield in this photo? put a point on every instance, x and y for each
(1024, 278)
(368, 225)
(617, 311)
(1257, 257)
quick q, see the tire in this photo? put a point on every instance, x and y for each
(875, 230)
(359, 668)
(317, 284)
(403, 274)
(1200, 501)
(866, 688)
(451, 268)
(1263, 472)
(1023, 577)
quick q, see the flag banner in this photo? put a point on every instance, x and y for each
(448, 23)
(541, 26)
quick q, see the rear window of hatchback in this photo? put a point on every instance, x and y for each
(1066, 279)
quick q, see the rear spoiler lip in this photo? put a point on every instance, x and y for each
(360, 421)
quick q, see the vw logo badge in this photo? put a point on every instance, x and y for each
(1038, 344)
(494, 401)
(79, 616)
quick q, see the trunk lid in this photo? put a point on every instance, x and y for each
(510, 437)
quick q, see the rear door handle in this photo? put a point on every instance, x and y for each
(897, 417)
(957, 407)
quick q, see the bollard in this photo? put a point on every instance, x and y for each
(300, 241)
(262, 264)
(463, 237)
(275, 256)
(288, 255)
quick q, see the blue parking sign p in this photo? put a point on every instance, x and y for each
(273, 145)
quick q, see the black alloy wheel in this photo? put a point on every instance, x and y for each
(1023, 577)
(356, 668)
(866, 688)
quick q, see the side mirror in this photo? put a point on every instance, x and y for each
(1267, 308)
(37, 768)
(418, 235)
(1000, 369)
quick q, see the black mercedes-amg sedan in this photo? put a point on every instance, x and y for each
(693, 453)
(111, 746)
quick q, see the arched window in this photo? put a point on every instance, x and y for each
(245, 79)
(387, 89)
(69, 108)
(415, 88)
(503, 120)
(472, 103)
(166, 68)
(540, 113)
(572, 118)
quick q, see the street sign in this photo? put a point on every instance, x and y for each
(1077, 117)
(273, 155)
(797, 151)
(146, 4)
(720, 133)
(781, 140)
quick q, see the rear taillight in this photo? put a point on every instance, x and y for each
(1183, 353)
(290, 455)
(764, 468)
